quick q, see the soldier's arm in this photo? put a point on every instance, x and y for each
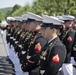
(40, 42)
(55, 60)
(70, 40)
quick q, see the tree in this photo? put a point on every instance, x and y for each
(22, 11)
(1, 16)
(16, 7)
(54, 7)
(8, 13)
(49, 7)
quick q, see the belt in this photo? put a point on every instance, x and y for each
(14, 39)
(11, 37)
(42, 71)
(16, 42)
(8, 34)
(20, 46)
(74, 49)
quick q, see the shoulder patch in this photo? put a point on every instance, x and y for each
(56, 58)
(69, 39)
(38, 47)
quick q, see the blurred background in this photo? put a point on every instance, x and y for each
(50, 7)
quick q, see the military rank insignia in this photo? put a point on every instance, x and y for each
(69, 39)
(56, 58)
(38, 47)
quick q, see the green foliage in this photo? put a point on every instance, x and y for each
(54, 7)
(6, 11)
(16, 7)
(49, 7)
(18, 12)
(21, 11)
(1, 16)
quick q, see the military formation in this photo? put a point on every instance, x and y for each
(42, 45)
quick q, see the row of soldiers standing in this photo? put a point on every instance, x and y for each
(42, 45)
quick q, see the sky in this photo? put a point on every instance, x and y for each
(11, 3)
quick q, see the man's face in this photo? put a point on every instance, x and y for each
(16, 23)
(24, 26)
(68, 24)
(31, 26)
(13, 23)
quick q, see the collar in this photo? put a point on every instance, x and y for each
(53, 39)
